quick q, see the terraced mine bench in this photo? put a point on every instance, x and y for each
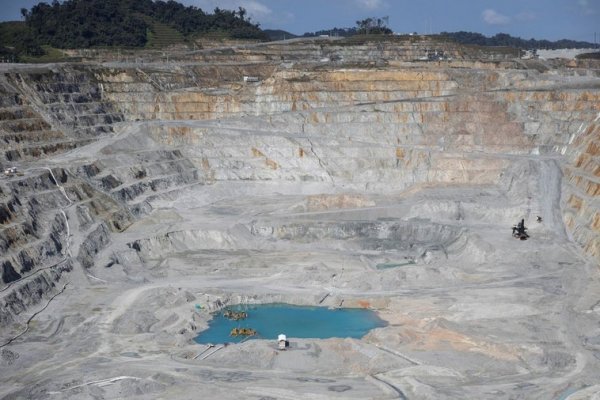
(146, 189)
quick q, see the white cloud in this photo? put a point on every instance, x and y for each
(493, 17)
(256, 10)
(586, 6)
(371, 4)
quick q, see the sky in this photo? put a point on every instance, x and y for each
(539, 19)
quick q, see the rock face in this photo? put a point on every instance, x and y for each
(581, 187)
(381, 128)
(124, 170)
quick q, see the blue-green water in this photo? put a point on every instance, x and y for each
(269, 320)
(394, 265)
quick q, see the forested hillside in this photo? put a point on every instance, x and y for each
(130, 23)
(504, 39)
(152, 24)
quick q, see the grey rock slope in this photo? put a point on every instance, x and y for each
(349, 175)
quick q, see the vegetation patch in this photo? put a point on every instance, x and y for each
(589, 56)
(506, 40)
(83, 24)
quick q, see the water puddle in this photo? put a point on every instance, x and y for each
(269, 320)
(568, 392)
(395, 265)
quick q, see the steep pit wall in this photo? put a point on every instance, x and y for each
(367, 50)
(24, 133)
(414, 126)
(344, 126)
(369, 235)
(32, 228)
(51, 110)
(480, 107)
(44, 230)
(69, 97)
(581, 188)
(138, 96)
(33, 242)
(392, 137)
(131, 172)
(47, 111)
(374, 50)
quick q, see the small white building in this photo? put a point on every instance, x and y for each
(251, 79)
(282, 341)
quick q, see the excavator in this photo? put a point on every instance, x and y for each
(519, 231)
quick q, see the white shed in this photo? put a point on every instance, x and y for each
(282, 341)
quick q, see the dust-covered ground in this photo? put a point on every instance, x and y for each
(471, 311)
(149, 197)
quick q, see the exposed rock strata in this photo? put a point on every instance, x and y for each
(399, 172)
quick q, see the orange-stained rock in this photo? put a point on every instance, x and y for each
(592, 188)
(581, 160)
(593, 148)
(569, 221)
(256, 152)
(339, 201)
(271, 164)
(399, 153)
(575, 202)
(596, 221)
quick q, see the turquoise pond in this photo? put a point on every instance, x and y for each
(269, 320)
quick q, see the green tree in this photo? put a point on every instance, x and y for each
(373, 26)
(87, 23)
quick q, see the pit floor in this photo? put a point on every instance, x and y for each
(484, 316)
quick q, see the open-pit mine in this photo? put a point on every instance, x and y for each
(140, 197)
